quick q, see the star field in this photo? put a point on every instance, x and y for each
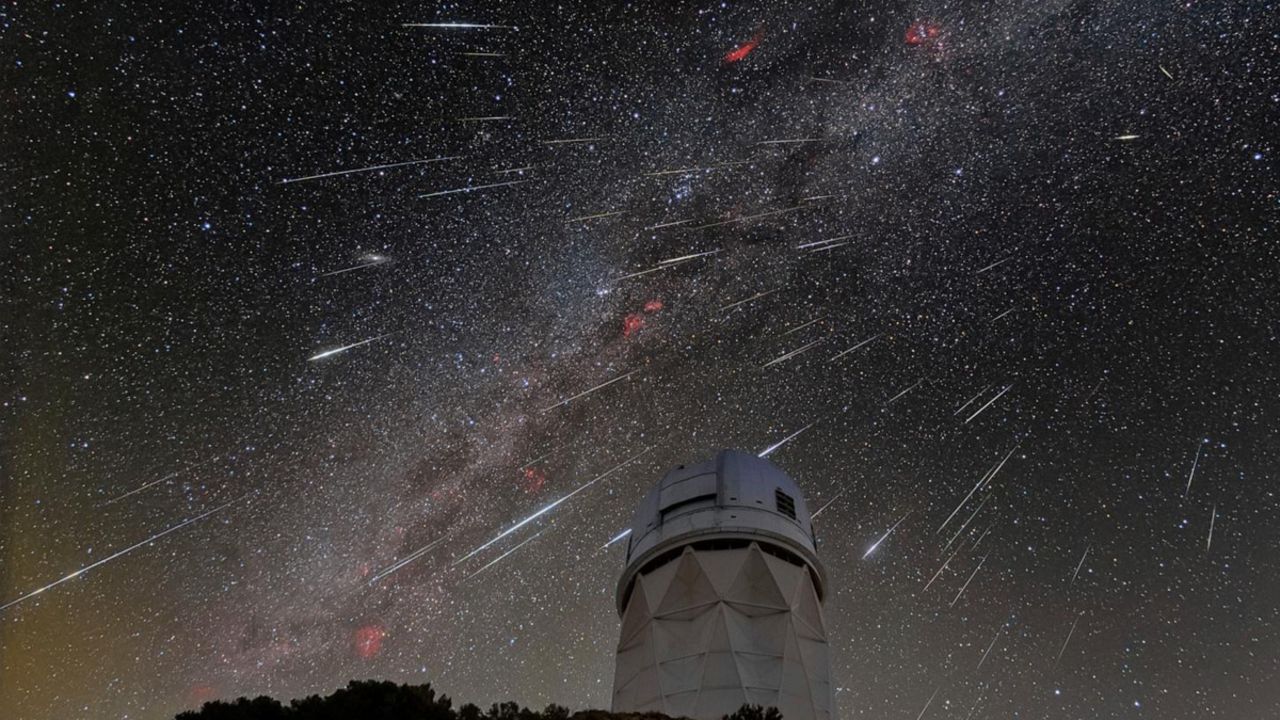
(341, 340)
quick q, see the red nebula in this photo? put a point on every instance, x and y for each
(368, 640)
(744, 49)
(653, 306)
(534, 479)
(200, 694)
(922, 31)
(631, 324)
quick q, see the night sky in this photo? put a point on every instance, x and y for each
(1001, 276)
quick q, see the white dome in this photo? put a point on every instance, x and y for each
(736, 496)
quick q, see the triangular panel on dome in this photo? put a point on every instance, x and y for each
(806, 610)
(759, 634)
(722, 567)
(785, 573)
(679, 638)
(681, 675)
(755, 585)
(633, 661)
(634, 620)
(761, 672)
(655, 582)
(721, 671)
(689, 587)
(814, 654)
(795, 674)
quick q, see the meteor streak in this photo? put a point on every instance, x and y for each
(822, 242)
(1067, 641)
(617, 538)
(504, 555)
(370, 261)
(757, 296)
(407, 559)
(994, 265)
(1081, 564)
(683, 258)
(792, 140)
(971, 577)
(1208, 543)
(970, 401)
(471, 188)
(459, 26)
(769, 450)
(746, 218)
(926, 705)
(588, 392)
(904, 392)
(153, 483)
(989, 402)
(345, 348)
(1166, 72)
(993, 644)
(1192, 476)
(584, 218)
(573, 141)
(855, 347)
(886, 534)
(371, 168)
(826, 505)
(802, 326)
(940, 570)
(1126, 138)
(669, 224)
(484, 118)
(552, 506)
(117, 554)
(793, 353)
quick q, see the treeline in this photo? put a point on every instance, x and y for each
(382, 700)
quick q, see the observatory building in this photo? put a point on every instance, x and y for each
(721, 598)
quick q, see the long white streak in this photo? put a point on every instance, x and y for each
(811, 198)
(471, 188)
(981, 537)
(544, 456)
(669, 224)
(668, 266)
(926, 705)
(1079, 565)
(971, 577)
(504, 555)
(981, 481)
(393, 567)
(459, 26)
(484, 118)
(1003, 314)
(591, 390)
(1192, 476)
(793, 353)
(826, 505)
(374, 260)
(1126, 138)
(117, 554)
(552, 506)
(886, 534)
(825, 248)
(153, 483)
(370, 168)
(745, 218)
(676, 171)
(970, 401)
(822, 242)
(483, 54)
(345, 348)
(572, 141)
(769, 450)
(989, 402)
(1208, 543)
(1067, 641)
(682, 258)
(784, 142)
(972, 515)
(757, 296)
(597, 216)
(815, 78)
(904, 392)
(508, 171)
(993, 265)
(802, 326)
(1008, 455)
(1166, 72)
(855, 347)
(993, 644)
(617, 538)
(940, 570)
